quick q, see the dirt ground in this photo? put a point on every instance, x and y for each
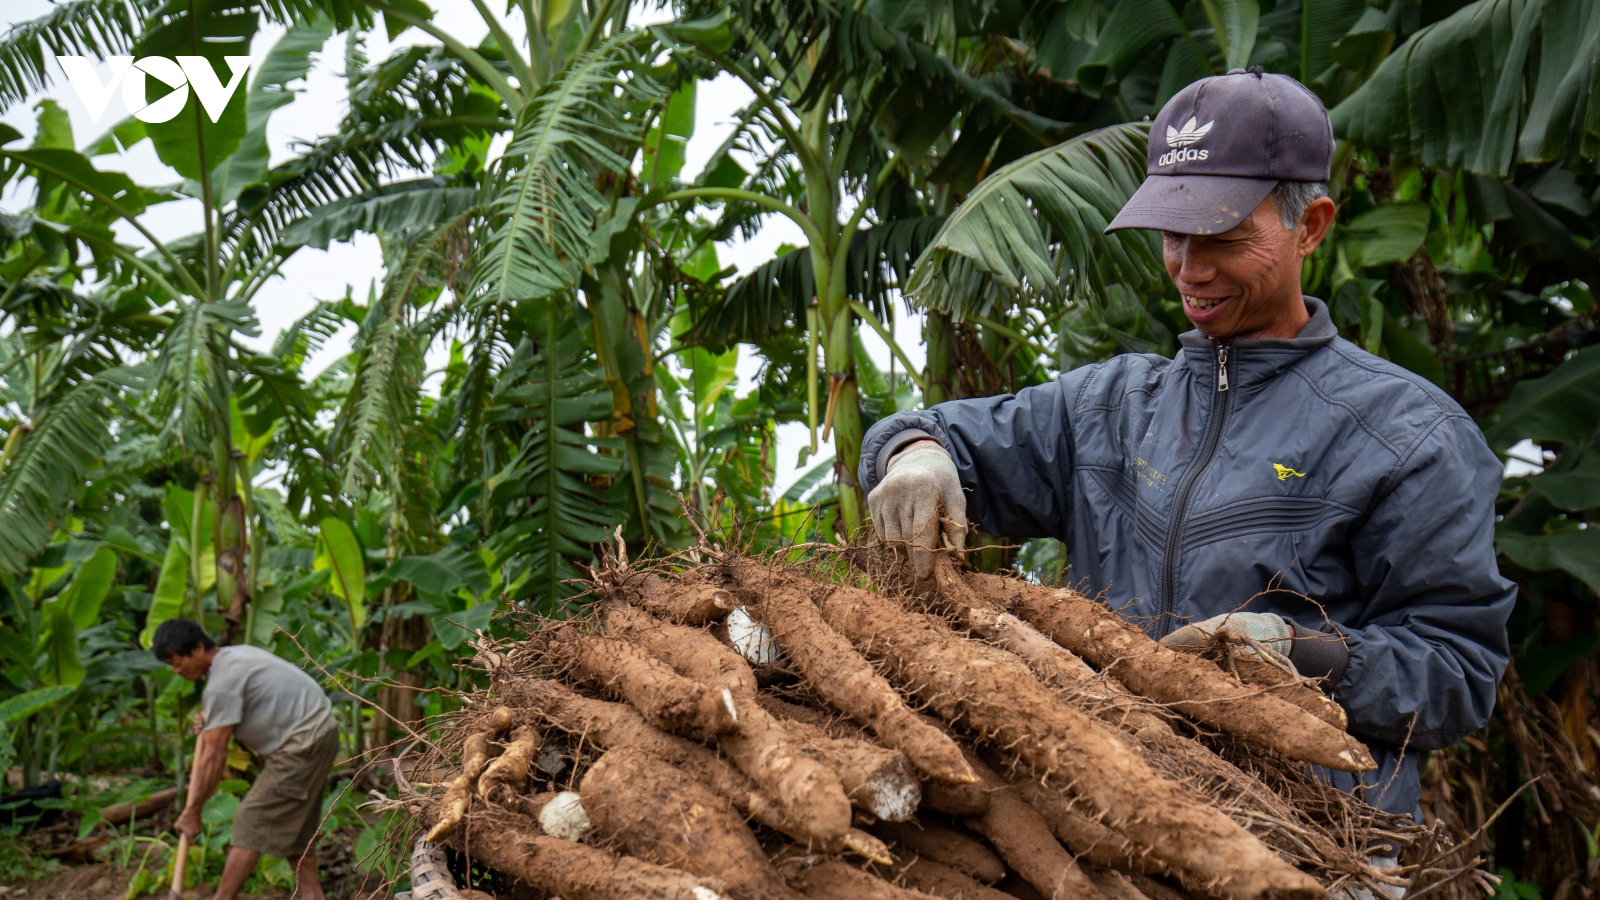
(104, 881)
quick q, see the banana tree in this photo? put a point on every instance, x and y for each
(196, 291)
(847, 106)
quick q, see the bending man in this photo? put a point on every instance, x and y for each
(277, 712)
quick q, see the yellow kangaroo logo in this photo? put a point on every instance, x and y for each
(1284, 472)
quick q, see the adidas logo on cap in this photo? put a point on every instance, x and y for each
(1181, 138)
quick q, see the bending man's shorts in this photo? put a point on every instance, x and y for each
(283, 810)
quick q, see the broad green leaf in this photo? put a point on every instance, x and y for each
(440, 574)
(1035, 228)
(8, 134)
(1541, 668)
(59, 648)
(546, 205)
(171, 587)
(190, 142)
(393, 26)
(1235, 22)
(54, 127)
(371, 848)
(178, 506)
(1385, 234)
(384, 210)
(713, 373)
(1133, 29)
(45, 471)
(339, 553)
(288, 60)
(88, 589)
(121, 539)
(1499, 82)
(1562, 406)
(713, 31)
(1573, 489)
(667, 140)
(1407, 350)
(1574, 552)
(119, 138)
(21, 706)
(1372, 316)
(1322, 22)
(1366, 44)
(74, 169)
(454, 628)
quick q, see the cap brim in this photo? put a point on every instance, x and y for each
(1192, 204)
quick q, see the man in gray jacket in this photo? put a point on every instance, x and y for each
(1273, 478)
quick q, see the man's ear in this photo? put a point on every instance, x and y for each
(1314, 224)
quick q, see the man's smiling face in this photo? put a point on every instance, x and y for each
(1245, 282)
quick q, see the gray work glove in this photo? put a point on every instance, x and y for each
(1272, 630)
(918, 501)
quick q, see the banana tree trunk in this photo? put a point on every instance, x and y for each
(844, 412)
(941, 359)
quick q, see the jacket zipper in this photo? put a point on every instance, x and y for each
(1180, 507)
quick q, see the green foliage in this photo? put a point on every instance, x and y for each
(1034, 228)
(1498, 83)
(339, 553)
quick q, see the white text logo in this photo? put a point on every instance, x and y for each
(1180, 139)
(178, 74)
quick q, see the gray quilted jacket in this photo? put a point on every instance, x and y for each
(1303, 477)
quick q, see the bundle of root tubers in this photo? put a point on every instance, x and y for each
(970, 737)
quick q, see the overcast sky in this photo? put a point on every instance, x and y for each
(313, 274)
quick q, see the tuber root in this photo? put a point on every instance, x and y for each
(1189, 684)
(943, 844)
(685, 602)
(877, 780)
(843, 678)
(830, 879)
(509, 770)
(578, 871)
(670, 701)
(992, 692)
(1025, 842)
(942, 881)
(807, 791)
(475, 755)
(617, 725)
(659, 814)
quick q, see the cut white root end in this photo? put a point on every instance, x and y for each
(892, 797)
(705, 893)
(753, 640)
(564, 817)
(727, 700)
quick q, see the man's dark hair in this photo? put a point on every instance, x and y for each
(179, 637)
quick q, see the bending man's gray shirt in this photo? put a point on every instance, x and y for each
(270, 702)
(1304, 477)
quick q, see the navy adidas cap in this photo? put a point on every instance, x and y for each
(1219, 147)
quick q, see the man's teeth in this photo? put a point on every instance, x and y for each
(1202, 302)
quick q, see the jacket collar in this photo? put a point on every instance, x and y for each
(1260, 359)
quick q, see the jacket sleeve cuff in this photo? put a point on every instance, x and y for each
(1317, 654)
(883, 442)
(897, 443)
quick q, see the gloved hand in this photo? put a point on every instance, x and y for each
(1272, 630)
(918, 501)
